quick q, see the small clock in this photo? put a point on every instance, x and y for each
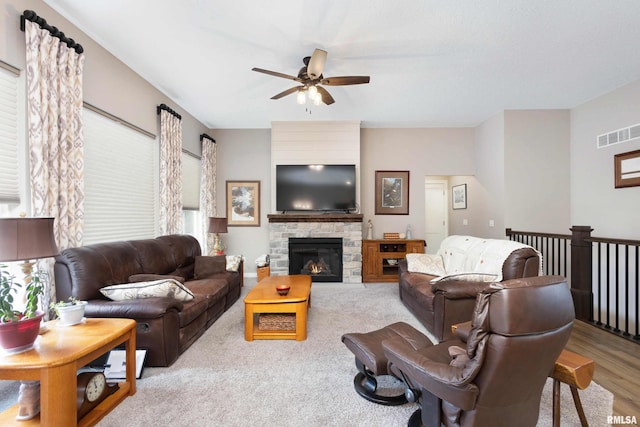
(92, 389)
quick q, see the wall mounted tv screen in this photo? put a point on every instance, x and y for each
(315, 188)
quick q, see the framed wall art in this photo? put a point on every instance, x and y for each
(392, 193)
(459, 196)
(627, 169)
(243, 203)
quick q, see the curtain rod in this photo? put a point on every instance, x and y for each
(169, 110)
(117, 119)
(30, 15)
(205, 136)
(190, 154)
(9, 68)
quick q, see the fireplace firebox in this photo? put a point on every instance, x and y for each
(320, 258)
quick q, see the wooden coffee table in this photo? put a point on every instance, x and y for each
(264, 298)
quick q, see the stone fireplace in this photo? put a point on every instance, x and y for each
(346, 228)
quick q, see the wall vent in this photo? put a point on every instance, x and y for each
(618, 136)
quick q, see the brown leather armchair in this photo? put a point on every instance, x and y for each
(493, 372)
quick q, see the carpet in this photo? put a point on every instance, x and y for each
(223, 380)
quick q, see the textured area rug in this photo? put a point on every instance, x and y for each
(223, 380)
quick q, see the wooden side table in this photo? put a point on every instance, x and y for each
(380, 258)
(263, 272)
(576, 371)
(54, 361)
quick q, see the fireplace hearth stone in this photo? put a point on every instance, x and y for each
(346, 226)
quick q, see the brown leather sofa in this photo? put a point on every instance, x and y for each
(445, 303)
(166, 327)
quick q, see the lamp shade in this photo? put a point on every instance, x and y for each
(26, 238)
(217, 225)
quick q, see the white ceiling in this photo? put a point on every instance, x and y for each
(431, 62)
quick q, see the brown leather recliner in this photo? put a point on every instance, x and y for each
(493, 372)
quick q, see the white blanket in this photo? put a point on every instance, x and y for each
(463, 255)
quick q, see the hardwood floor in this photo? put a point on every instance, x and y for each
(617, 365)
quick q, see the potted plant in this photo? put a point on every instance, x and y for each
(70, 312)
(19, 329)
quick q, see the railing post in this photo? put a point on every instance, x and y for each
(581, 272)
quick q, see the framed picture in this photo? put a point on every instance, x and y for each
(243, 203)
(627, 169)
(392, 193)
(459, 196)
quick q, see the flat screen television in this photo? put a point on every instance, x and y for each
(315, 188)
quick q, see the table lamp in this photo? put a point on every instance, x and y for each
(217, 226)
(27, 239)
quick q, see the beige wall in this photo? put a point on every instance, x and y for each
(486, 197)
(611, 212)
(245, 155)
(423, 152)
(537, 187)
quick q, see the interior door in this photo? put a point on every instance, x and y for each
(436, 210)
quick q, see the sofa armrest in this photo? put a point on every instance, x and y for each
(146, 308)
(459, 289)
(462, 330)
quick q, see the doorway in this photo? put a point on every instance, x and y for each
(436, 201)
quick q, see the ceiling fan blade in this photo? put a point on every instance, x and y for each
(316, 63)
(326, 96)
(287, 92)
(276, 74)
(346, 80)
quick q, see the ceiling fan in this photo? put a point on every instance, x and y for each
(310, 78)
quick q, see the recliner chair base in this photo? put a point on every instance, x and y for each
(415, 420)
(366, 386)
(372, 363)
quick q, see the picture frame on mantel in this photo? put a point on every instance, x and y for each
(627, 169)
(243, 203)
(459, 196)
(392, 193)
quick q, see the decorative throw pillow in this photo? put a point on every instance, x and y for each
(426, 264)
(144, 277)
(158, 288)
(206, 266)
(233, 262)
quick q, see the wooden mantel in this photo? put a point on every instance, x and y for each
(330, 217)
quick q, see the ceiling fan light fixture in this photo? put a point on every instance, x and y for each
(301, 98)
(311, 75)
(317, 98)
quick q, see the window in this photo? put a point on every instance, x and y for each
(121, 176)
(192, 224)
(191, 171)
(191, 216)
(12, 160)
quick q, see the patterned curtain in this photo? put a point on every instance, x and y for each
(170, 173)
(54, 103)
(208, 189)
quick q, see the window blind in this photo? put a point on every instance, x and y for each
(9, 181)
(191, 170)
(121, 175)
